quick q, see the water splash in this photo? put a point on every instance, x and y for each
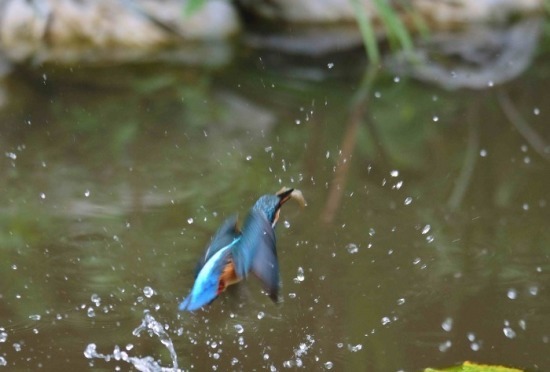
(302, 349)
(147, 363)
(154, 328)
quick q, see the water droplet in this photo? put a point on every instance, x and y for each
(483, 153)
(266, 356)
(435, 119)
(400, 301)
(512, 294)
(398, 185)
(377, 94)
(396, 79)
(330, 65)
(87, 193)
(190, 220)
(509, 332)
(148, 291)
(408, 200)
(42, 195)
(447, 324)
(430, 238)
(471, 336)
(328, 364)
(248, 157)
(426, 229)
(239, 328)
(90, 312)
(475, 346)
(355, 348)
(394, 173)
(352, 248)
(17, 346)
(533, 290)
(299, 276)
(3, 335)
(297, 122)
(96, 299)
(268, 149)
(11, 155)
(490, 83)
(327, 154)
(444, 346)
(536, 111)
(90, 351)
(3, 361)
(34, 317)
(286, 224)
(261, 315)
(385, 320)
(116, 352)
(522, 324)
(372, 232)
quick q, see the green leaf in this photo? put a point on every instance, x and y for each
(393, 23)
(192, 6)
(367, 31)
(473, 367)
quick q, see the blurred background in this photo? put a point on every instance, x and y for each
(417, 131)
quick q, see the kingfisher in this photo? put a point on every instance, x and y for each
(234, 252)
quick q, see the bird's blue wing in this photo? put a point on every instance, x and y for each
(205, 288)
(256, 251)
(225, 235)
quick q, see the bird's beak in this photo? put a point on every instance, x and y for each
(286, 194)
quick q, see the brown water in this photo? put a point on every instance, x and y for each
(425, 241)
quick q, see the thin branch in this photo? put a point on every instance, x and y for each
(463, 180)
(357, 114)
(532, 137)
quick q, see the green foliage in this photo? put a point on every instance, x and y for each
(192, 6)
(367, 32)
(396, 32)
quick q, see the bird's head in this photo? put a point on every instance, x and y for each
(271, 205)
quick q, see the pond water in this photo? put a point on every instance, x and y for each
(425, 241)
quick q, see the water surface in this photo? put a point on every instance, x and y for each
(425, 241)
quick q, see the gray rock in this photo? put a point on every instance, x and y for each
(70, 29)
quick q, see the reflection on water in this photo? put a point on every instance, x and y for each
(424, 241)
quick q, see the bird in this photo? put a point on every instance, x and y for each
(234, 252)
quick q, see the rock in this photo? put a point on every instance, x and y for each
(44, 27)
(306, 11)
(448, 13)
(479, 56)
(439, 12)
